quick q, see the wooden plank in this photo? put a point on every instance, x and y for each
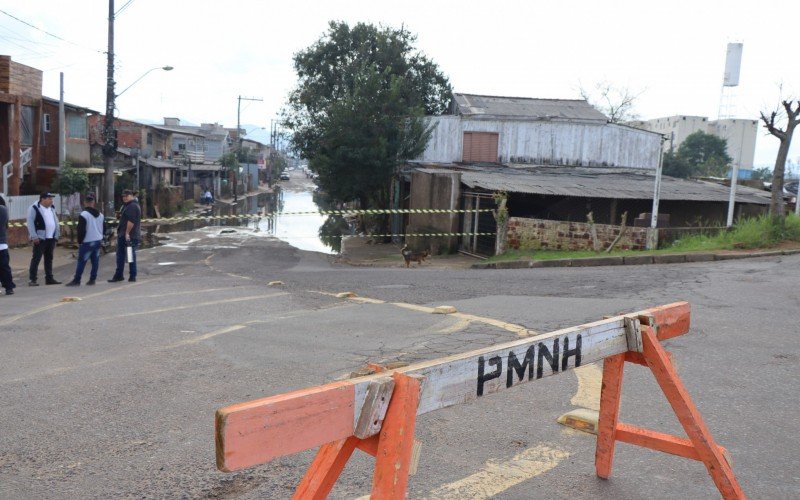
(659, 441)
(396, 441)
(256, 432)
(692, 422)
(610, 396)
(260, 430)
(325, 469)
(373, 411)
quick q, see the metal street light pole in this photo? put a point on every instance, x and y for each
(110, 145)
(239, 143)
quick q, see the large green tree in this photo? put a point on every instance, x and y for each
(699, 155)
(357, 110)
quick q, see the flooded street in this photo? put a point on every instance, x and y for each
(267, 209)
(300, 231)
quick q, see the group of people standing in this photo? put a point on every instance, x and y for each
(44, 231)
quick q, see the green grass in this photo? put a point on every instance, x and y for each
(759, 232)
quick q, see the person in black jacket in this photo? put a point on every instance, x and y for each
(6, 280)
(90, 237)
(130, 217)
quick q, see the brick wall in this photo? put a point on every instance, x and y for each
(540, 234)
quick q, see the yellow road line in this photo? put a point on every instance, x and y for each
(497, 477)
(590, 378)
(199, 304)
(206, 336)
(456, 327)
(28, 314)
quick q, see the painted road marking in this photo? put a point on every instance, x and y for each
(520, 331)
(18, 317)
(590, 378)
(497, 477)
(206, 336)
(192, 306)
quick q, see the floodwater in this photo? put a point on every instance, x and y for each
(310, 231)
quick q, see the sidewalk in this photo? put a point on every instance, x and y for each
(628, 260)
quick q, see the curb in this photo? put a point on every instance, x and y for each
(632, 260)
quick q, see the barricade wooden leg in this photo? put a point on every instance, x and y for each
(396, 440)
(610, 395)
(325, 469)
(707, 450)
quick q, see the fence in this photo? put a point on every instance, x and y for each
(669, 235)
(18, 205)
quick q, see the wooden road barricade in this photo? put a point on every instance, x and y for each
(377, 413)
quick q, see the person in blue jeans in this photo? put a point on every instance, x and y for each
(130, 217)
(90, 237)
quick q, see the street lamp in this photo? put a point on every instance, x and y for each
(110, 147)
(165, 68)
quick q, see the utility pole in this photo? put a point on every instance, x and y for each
(62, 126)
(652, 234)
(109, 148)
(239, 142)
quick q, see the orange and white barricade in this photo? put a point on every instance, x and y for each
(377, 413)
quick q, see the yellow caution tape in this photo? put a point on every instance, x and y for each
(172, 220)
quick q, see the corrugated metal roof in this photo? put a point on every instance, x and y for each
(176, 130)
(597, 183)
(525, 107)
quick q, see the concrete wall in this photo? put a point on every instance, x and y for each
(546, 143)
(540, 234)
(439, 191)
(741, 137)
(740, 134)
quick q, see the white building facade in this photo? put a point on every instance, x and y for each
(507, 130)
(739, 133)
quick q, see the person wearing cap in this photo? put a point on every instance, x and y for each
(6, 279)
(90, 237)
(43, 231)
(130, 217)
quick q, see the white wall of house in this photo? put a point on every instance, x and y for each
(546, 142)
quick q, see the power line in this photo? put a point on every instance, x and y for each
(26, 23)
(123, 8)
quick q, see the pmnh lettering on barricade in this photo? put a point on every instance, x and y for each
(377, 413)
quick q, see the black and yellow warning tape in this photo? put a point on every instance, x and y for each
(172, 220)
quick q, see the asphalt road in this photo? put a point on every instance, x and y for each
(114, 395)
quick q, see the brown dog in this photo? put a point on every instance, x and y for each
(410, 256)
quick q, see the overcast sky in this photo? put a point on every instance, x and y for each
(671, 52)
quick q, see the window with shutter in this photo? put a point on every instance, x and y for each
(480, 147)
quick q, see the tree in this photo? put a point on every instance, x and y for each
(699, 155)
(762, 174)
(772, 124)
(617, 103)
(71, 180)
(357, 110)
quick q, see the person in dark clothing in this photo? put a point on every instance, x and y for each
(6, 280)
(43, 231)
(90, 237)
(130, 218)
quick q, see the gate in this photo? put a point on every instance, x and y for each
(480, 223)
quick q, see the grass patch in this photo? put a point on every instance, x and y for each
(759, 232)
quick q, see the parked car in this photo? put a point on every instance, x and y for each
(284, 176)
